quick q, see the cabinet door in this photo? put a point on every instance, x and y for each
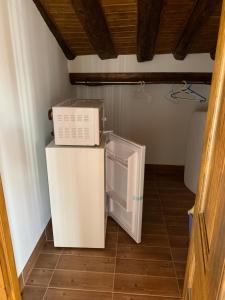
(77, 192)
(125, 161)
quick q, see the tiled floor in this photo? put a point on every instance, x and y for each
(152, 270)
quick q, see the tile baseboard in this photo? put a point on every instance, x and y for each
(33, 258)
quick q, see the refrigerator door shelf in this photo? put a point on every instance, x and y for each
(125, 161)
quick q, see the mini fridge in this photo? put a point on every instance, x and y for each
(88, 184)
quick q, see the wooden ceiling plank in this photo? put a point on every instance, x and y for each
(200, 13)
(51, 25)
(148, 25)
(92, 19)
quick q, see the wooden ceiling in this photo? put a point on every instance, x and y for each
(142, 27)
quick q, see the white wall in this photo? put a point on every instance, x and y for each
(33, 76)
(128, 63)
(150, 119)
(147, 117)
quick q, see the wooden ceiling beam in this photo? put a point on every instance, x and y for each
(201, 11)
(136, 78)
(62, 43)
(149, 12)
(92, 19)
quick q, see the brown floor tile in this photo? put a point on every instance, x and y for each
(150, 186)
(174, 211)
(170, 190)
(150, 195)
(170, 185)
(146, 240)
(150, 198)
(149, 179)
(110, 252)
(34, 256)
(179, 241)
(50, 249)
(175, 196)
(47, 261)
(117, 296)
(178, 203)
(148, 208)
(111, 240)
(139, 252)
(179, 254)
(145, 267)
(155, 204)
(138, 284)
(176, 220)
(33, 293)
(181, 229)
(152, 228)
(181, 285)
(153, 217)
(96, 264)
(49, 232)
(39, 277)
(82, 280)
(180, 269)
(58, 294)
(111, 225)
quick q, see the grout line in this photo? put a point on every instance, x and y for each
(175, 272)
(110, 292)
(140, 246)
(125, 258)
(51, 276)
(148, 234)
(109, 273)
(91, 256)
(79, 289)
(36, 286)
(103, 291)
(151, 295)
(120, 245)
(174, 268)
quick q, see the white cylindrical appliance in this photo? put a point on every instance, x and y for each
(194, 150)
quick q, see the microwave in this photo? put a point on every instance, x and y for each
(78, 122)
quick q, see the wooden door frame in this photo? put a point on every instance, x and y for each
(216, 99)
(7, 261)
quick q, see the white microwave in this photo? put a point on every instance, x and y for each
(78, 122)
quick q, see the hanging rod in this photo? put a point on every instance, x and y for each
(94, 83)
(94, 79)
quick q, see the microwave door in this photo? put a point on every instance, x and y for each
(125, 163)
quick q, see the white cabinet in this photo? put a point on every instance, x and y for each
(88, 183)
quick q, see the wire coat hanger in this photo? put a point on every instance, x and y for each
(186, 91)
